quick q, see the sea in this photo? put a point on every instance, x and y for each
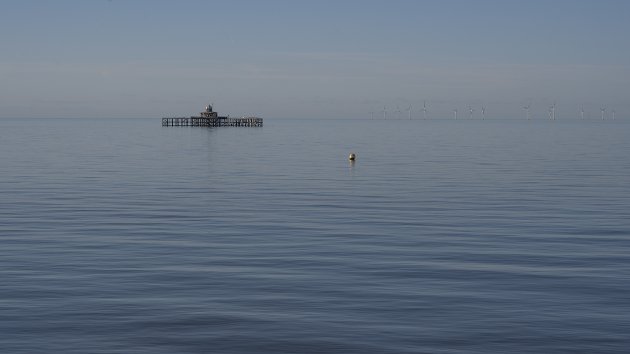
(443, 236)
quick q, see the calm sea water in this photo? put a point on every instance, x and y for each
(122, 236)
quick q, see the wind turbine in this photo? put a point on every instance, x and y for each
(582, 112)
(553, 111)
(409, 110)
(398, 112)
(613, 114)
(371, 114)
(455, 112)
(424, 109)
(526, 108)
(384, 112)
(603, 111)
(483, 112)
(471, 111)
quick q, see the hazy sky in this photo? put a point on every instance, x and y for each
(306, 59)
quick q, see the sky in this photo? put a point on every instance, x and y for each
(313, 58)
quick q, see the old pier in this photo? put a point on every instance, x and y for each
(209, 118)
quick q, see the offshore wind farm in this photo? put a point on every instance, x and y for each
(531, 109)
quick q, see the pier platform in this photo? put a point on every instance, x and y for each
(212, 122)
(210, 118)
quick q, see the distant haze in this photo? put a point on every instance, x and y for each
(313, 59)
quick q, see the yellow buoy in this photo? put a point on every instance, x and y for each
(352, 157)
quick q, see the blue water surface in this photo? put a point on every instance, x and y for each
(468, 236)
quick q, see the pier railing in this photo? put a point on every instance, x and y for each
(212, 122)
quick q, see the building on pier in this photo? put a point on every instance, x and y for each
(208, 113)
